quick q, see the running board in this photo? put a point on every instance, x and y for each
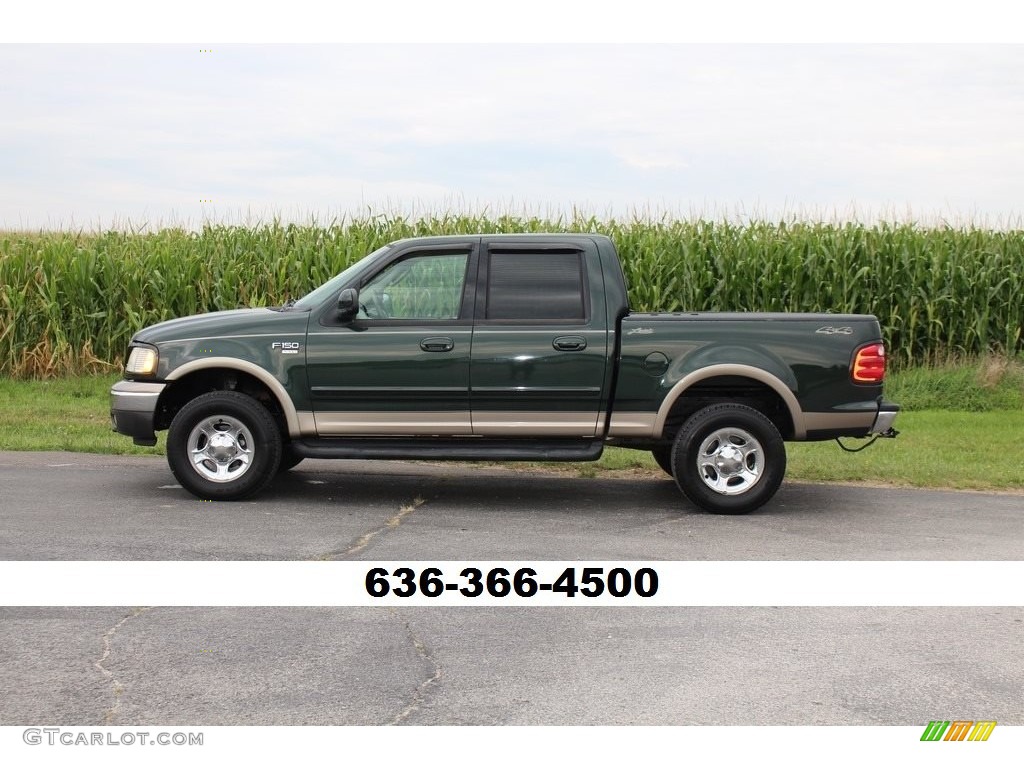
(453, 449)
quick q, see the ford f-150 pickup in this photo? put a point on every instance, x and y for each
(498, 347)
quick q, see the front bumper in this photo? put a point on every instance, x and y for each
(132, 407)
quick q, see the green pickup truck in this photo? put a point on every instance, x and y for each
(498, 347)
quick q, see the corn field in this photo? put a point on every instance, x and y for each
(70, 301)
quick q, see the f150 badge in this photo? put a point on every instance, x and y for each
(286, 347)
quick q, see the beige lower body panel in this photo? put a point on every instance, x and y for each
(338, 423)
(449, 423)
(530, 424)
(814, 421)
(646, 424)
(633, 425)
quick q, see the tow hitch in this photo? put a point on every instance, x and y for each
(890, 433)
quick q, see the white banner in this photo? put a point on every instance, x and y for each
(512, 583)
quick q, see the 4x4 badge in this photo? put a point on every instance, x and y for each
(845, 330)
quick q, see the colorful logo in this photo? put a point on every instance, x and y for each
(958, 730)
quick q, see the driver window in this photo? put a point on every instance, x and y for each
(426, 287)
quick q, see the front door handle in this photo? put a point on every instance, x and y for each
(570, 343)
(437, 344)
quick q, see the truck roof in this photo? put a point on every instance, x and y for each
(567, 237)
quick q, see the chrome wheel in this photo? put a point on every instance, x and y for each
(730, 461)
(728, 458)
(224, 445)
(221, 448)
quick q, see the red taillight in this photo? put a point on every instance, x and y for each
(869, 364)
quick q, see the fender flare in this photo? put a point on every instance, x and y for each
(244, 366)
(747, 371)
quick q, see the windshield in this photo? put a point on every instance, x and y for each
(332, 286)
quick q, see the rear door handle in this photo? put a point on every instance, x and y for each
(437, 344)
(570, 343)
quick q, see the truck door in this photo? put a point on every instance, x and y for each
(541, 344)
(401, 367)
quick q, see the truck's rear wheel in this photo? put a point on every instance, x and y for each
(224, 445)
(729, 459)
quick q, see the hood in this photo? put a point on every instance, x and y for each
(210, 324)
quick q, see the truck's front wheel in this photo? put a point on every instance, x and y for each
(729, 459)
(289, 459)
(224, 445)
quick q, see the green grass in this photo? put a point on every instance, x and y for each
(941, 445)
(936, 449)
(71, 414)
(989, 384)
(69, 301)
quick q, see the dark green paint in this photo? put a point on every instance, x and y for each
(380, 365)
(361, 368)
(814, 366)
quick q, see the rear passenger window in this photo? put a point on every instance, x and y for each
(535, 286)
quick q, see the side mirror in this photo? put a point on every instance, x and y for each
(348, 304)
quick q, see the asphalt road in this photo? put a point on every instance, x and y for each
(475, 665)
(421, 666)
(63, 506)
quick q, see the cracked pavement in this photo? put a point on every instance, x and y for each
(482, 666)
(116, 689)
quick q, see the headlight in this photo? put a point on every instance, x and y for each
(142, 361)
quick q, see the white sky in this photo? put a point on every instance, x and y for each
(99, 135)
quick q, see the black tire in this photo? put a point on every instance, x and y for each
(289, 459)
(239, 430)
(729, 459)
(663, 455)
